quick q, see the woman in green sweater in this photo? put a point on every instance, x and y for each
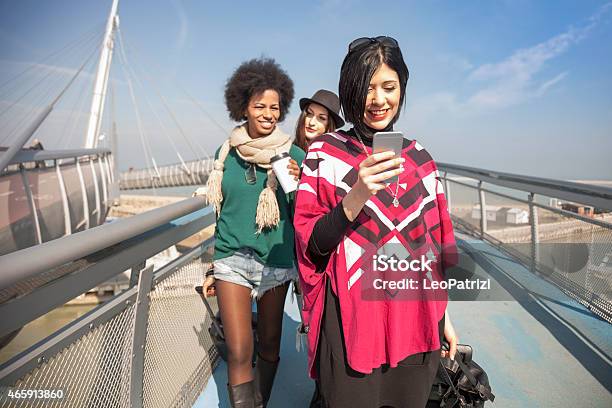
(254, 237)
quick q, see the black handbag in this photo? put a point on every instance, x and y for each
(460, 382)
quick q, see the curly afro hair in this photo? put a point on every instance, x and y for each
(252, 78)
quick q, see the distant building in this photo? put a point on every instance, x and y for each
(515, 215)
(554, 203)
(506, 215)
(491, 212)
(579, 209)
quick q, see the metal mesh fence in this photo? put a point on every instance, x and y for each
(179, 353)
(508, 222)
(94, 371)
(599, 270)
(573, 253)
(464, 203)
(578, 256)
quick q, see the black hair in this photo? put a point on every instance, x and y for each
(252, 78)
(357, 71)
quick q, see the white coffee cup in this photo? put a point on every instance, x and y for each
(279, 165)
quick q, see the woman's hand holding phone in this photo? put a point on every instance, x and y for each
(376, 169)
(373, 172)
(389, 141)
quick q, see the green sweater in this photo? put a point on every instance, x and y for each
(236, 227)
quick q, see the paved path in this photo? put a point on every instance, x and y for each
(539, 347)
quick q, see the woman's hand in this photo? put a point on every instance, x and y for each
(208, 287)
(373, 172)
(294, 169)
(377, 168)
(451, 337)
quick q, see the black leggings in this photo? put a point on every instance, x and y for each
(406, 386)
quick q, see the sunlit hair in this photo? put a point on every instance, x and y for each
(357, 71)
(300, 135)
(253, 77)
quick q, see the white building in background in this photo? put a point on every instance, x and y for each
(554, 203)
(516, 216)
(491, 212)
(506, 215)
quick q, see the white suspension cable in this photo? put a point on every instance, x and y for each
(164, 129)
(80, 109)
(208, 115)
(69, 48)
(45, 91)
(169, 110)
(35, 125)
(150, 163)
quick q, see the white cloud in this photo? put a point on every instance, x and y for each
(514, 79)
(544, 87)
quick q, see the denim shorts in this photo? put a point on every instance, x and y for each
(244, 269)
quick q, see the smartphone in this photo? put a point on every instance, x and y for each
(393, 141)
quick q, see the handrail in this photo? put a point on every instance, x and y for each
(24, 155)
(587, 287)
(596, 196)
(35, 260)
(559, 211)
(194, 172)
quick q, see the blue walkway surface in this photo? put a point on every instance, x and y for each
(292, 387)
(539, 347)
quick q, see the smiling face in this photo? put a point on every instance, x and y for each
(315, 121)
(262, 113)
(383, 99)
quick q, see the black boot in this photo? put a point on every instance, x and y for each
(265, 372)
(242, 395)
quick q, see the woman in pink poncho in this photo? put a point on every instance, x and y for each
(374, 338)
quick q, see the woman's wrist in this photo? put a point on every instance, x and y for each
(353, 203)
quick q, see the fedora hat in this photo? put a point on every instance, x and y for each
(328, 100)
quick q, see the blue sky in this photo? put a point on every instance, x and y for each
(519, 86)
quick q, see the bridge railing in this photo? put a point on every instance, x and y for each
(561, 230)
(191, 173)
(147, 346)
(51, 193)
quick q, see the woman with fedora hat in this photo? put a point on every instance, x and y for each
(320, 114)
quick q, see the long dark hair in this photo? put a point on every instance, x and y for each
(300, 135)
(356, 73)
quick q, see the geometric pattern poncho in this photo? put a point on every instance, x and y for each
(385, 318)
